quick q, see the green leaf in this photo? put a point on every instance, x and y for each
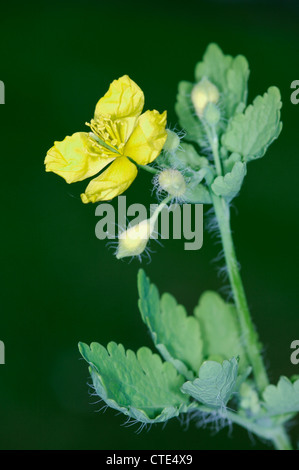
(187, 157)
(215, 384)
(228, 163)
(220, 328)
(197, 195)
(283, 398)
(186, 114)
(250, 133)
(140, 386)
(229, 185)
(176, 335)
(229, 74)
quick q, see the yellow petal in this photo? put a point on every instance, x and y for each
(123, 99)
(112, 182)
(148, 138)
(76, 158)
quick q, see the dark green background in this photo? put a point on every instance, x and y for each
(59, 283)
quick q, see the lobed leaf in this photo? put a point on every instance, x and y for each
(175, 334)
(229, 185)
(139, 385)
(220, 329)
(282, 398)
(250, 133)
(229, 74)
(215, 383)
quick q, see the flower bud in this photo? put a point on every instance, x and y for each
(173, 182)
(133, 241)
(203, 93)
(172, 142)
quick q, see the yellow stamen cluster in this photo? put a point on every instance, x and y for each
(108, 131)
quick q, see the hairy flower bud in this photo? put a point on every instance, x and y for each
(133, 241)
(172, 181)
(203, 93)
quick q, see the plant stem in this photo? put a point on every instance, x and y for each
(248, 333)
(150, 169)
(249, 336)
(213, 140)
(281, 440)
(277, 435)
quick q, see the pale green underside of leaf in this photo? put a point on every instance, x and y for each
(250, 133)
(283, 398)
(220, 329)
(229, 185)
(175, 334)
(139, 385)
(229, 74)
(215, 383)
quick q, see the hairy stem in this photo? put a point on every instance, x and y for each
(277, 435)
(213, 140)
(249, 336)
(248, 333)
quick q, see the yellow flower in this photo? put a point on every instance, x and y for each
(118, 131)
